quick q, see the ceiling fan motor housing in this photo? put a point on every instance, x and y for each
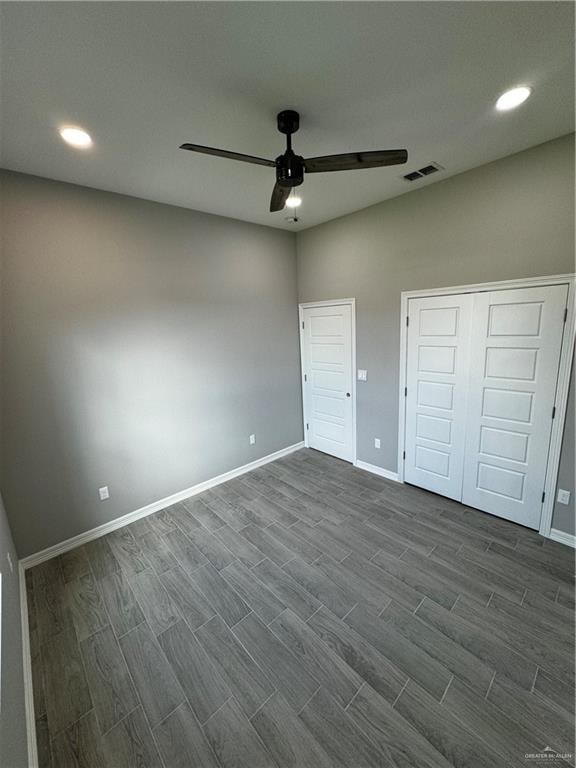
(289, 169)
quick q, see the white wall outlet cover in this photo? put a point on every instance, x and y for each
(376, 442)
(563, 496)
(362, 375)
(252, 439)
(104, 493)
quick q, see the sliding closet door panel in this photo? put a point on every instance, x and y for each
(515, 353)
(436, 375)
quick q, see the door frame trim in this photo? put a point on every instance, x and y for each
(562, 386)
(329, 303)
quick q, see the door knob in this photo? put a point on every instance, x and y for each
(347, 394)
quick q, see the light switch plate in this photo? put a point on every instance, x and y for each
(104, 493)
(563, 496)
(362, 375)
(376, 442)
(252, 439)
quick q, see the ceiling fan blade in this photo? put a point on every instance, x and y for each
(354, 160)
(229, 155)
(279, 197)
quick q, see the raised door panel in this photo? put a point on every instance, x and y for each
(436, 376)
(513, 373)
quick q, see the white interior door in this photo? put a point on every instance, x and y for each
(437, 386)
(328, 372)
(515, 354)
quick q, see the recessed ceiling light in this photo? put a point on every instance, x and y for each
(294, 201)
(76, 137)
(513, 98)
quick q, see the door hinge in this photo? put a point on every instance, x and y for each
(554, 412)
(306, 427)
(405, 391)
(403, 455)
(407, 321)
(543, 496)
(565, 313)
(305, 377)
(302, 324)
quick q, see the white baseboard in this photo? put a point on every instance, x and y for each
(149, 509)
(377, 470)
(564, 538)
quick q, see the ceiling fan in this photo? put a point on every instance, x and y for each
(290, 167)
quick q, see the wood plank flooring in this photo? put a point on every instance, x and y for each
(305, 615)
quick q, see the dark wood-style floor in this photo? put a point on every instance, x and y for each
(310, 615)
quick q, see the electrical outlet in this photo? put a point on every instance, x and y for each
(563, 496)
(104, 493)
(10, 563)
(376, 442)
(362, 375)
(252, 439)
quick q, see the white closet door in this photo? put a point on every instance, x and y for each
(515, 354)
(437, 386)
(327, 352)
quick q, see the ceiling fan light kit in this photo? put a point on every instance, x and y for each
(290, 167)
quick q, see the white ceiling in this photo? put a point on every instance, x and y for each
(144, 77)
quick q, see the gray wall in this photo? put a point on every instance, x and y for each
(509, 219)
(13, 747)
(143, 344)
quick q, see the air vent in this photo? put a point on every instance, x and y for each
(428, 169)
(421, 172)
